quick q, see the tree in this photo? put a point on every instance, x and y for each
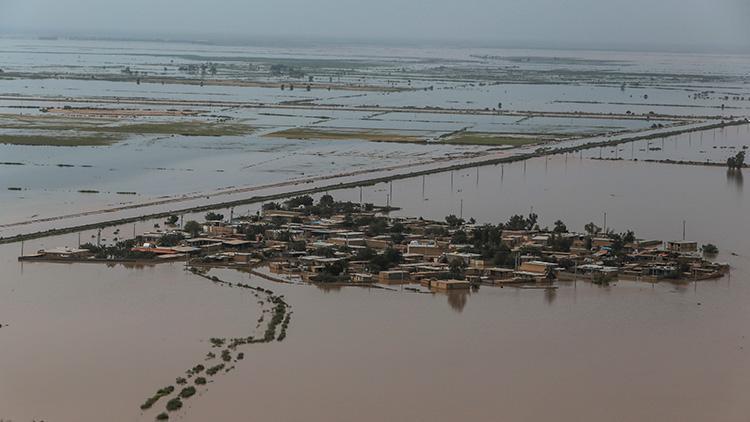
(326, 201)
(193, 227)
(560, 227)
(456, 267)
(592, 229)
(305, 201)
(459, 238)
(454, 221)
(377, 227)
(736, 162)
(386, 260)
(212, 216)
(172, 220)
(710, 249)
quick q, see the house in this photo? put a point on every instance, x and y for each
(535, 270)
(393, 277)
(65, 253)
(428, 248)
(682, 246)
(446, 285)
(362, 278)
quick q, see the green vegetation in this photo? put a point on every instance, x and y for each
(214, 369)
(200, 381)
(346, 135)
(76, 131)
(736, 162)
(121, 250)
(163, 416)
(159, 394)
(185, 128)
(174, 404)
(496, 139)
(59, 140)
(187, 392)
(212, 216)
(193, 227)
(710, 249)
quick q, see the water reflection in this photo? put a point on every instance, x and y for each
(457, 300)
(735, 178)
(550, 294)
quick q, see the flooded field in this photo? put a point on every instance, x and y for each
(98, 125)
(96, 131)
(712, 146)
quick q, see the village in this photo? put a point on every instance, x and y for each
(348, 243)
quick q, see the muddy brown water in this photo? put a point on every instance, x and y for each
(86, 341)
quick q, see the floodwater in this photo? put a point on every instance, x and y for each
(96, 341)
(713, 146)
(48, 181)
(89, 342)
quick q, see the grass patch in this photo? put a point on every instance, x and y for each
(345, 135)
(186, 128)
(60, 140)
(494, 139)
(72, 131)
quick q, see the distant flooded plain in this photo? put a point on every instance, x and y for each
(86, 342)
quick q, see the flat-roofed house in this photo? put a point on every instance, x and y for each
(682, 246)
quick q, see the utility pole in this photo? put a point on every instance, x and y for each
(360, 196)
(605, 222)
(684, 227)
(79, 240)
(461, 209)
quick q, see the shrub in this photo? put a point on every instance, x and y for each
(710, 249)
(174, 404)
(187, 392)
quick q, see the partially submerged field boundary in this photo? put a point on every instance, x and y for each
(367, 108)
(669, 161)
(541, 152)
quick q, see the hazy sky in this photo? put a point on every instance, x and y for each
(616, 23)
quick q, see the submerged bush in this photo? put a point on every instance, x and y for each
(174, 404)
(187, 392)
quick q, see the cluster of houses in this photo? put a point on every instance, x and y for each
(315, 249)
